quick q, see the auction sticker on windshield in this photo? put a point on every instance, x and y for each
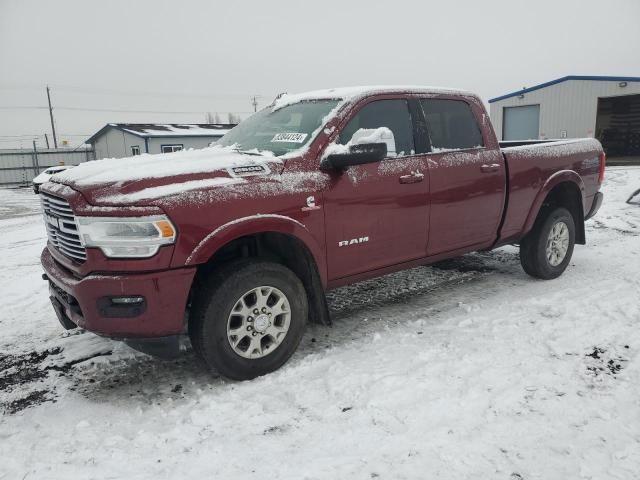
(289, 137)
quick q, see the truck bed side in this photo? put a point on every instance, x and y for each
(535, 170)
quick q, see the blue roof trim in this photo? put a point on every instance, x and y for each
(565, 79)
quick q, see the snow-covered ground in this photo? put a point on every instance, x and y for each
(468, 370)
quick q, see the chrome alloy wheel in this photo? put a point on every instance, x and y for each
(557, 244)
(258, 322)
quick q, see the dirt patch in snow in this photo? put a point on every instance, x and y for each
(604, 363)
(22, 368)
(34, 398)
(22, 372)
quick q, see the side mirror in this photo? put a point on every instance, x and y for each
(356, 155)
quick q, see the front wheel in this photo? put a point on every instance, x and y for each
(547, 249)
(248, 318)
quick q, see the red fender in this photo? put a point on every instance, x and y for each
(252, 225)
(554, 180)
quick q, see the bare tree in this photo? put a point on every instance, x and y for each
(208, 118)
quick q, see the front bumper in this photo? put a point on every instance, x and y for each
(595, 205)
(81, 300)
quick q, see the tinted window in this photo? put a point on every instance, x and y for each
(393, 114)
(451, 125)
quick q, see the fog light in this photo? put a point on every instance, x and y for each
(122, 307)
(126, 300)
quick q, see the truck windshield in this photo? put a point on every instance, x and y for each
(280, 131)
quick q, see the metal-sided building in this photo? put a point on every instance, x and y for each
(607, 108)
(117, 140)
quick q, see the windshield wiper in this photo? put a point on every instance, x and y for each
(246, 152)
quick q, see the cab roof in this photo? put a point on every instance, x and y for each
(350, 94)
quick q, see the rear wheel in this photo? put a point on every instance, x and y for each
(546, 251)
(248, 318)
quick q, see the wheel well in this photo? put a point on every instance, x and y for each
(278, 248)
(567, 195)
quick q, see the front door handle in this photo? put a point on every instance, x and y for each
(493, 167)
(414, 177)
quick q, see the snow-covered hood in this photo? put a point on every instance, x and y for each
(146, 178)
(47, 174)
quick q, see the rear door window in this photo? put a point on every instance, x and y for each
(451, 125)
(393, 114)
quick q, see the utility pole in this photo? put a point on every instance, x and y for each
(46, 139)
(254, 102)
(53, 127)
(34, 158)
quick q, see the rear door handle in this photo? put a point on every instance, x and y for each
(414, 177)
(493, 167)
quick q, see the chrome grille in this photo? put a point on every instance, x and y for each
(61, 227)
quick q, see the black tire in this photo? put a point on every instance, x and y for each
(533, 248)
(215, 297)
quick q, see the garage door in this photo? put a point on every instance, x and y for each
(521, 123)
(618, 125)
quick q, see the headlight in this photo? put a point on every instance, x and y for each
(126, 237)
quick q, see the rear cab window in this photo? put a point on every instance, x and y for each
(392, 114)
(451, 125)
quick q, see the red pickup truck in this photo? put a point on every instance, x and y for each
(236, 244)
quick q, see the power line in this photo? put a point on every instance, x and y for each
(16, 136)
(91, 91)
(86, 109)
(29, 135)
(22, 107)
(84, 91)
(132, 111)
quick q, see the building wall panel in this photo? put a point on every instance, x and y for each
(566, 109)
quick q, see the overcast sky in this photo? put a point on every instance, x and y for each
(202, 55)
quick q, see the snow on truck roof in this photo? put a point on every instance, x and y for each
(348, 94)
(175, 129)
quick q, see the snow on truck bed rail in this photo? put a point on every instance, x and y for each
(144, 166)
(563, 147)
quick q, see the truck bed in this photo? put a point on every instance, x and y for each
(530, 165)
